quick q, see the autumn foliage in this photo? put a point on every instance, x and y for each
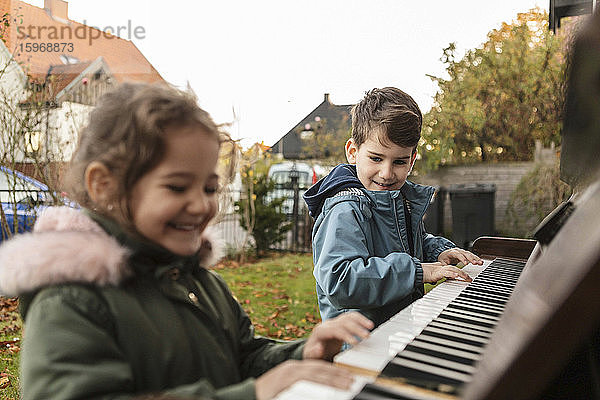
(499, 98)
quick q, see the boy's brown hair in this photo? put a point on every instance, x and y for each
(126, 132)
(389, 112)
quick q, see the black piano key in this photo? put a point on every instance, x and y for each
(479, 304)
(457, 335)
(444, 320)
(435, 361)
(459, 352)
(458, 338)
(459, 329)
(472, 315)
(487, 290)
(494, 316)
(464, 295)
(418, 371)
(462, 318)
(442, 353)
(493, 287)
(373, 391)
(451, 343)
(508, 287)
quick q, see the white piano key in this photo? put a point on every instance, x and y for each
(303, 390)
(362, 359)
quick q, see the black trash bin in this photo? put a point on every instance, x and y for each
(472, 212)
(434, 217)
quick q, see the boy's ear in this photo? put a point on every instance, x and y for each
(351, 150)
(100, 183)
(413, 158)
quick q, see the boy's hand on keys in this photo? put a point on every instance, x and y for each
(457, 255)
(433, 272)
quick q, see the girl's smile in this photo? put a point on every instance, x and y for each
(173, 203)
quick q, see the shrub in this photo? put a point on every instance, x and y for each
(260, 215)
(536, 195)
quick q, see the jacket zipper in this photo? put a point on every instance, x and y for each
(404, 248)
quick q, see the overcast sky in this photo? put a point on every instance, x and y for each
(272, 61)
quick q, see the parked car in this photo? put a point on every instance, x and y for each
(22, 198)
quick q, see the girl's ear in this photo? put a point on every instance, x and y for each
(351, 150)
(100, 184)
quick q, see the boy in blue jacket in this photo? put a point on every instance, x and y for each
(370, 249)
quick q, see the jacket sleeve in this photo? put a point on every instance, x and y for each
(434, 245)
(345, 270)
(69, 352)
(258, 354)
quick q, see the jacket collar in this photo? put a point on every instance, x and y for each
(69, 245)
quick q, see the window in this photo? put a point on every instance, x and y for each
(33, 143)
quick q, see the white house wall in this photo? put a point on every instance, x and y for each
(66, 122)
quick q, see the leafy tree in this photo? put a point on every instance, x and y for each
(499, 98)
(267, 223)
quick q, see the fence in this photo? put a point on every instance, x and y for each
(298, 239)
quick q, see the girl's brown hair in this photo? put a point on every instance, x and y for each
(126, 132)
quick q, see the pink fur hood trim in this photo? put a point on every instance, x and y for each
(65, 246)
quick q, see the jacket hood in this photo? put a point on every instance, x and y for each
(341, 177)
(68, 246)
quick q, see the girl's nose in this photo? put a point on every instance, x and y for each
(199, 204)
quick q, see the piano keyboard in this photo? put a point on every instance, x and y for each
(443, 356)
(435, 342)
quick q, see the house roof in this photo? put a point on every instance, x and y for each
(82, 43)
(291, 144)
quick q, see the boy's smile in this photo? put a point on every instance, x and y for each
(380, 166)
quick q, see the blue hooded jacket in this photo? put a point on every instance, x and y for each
(361, 247)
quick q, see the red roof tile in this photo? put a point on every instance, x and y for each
(123, 58)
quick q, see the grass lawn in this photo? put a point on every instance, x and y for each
(10, 333)
(278, 293)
